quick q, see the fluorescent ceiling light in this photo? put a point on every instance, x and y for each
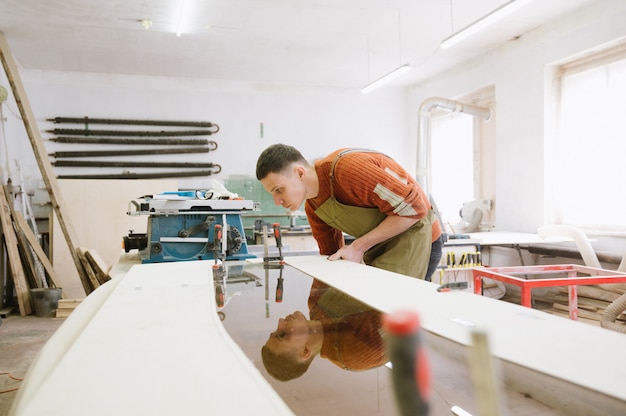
(401, 70)
(483, 22)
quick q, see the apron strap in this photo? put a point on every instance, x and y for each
(339, 155)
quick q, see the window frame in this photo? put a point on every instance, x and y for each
(589, 61)
(484, 142)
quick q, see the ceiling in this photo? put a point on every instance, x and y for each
(339, 43)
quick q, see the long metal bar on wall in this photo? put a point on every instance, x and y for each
(133, 175)
(134, 141)
(134, 152)
(115, 121)
(139, 133)
(133, 164)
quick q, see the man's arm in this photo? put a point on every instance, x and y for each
(388, 228)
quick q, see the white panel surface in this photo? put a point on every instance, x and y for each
(151, 344)
(581, 355)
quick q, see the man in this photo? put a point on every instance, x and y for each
(362, 193)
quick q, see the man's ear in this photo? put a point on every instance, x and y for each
(300, 171)
(305, 352)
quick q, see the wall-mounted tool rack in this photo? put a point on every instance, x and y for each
(125, 145)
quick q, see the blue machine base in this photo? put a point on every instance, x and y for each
(198, 246)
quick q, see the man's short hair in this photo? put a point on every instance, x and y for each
(277, 158)
(283, 367)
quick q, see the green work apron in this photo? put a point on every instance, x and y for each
(407, 253)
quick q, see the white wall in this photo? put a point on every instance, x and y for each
(316, 120)
(517, 70)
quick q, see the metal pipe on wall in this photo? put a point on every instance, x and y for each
(424, 130)
(114, 121)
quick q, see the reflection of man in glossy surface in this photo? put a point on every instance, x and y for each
(340, 329)
(291, 348)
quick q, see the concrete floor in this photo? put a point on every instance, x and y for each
(21, 338)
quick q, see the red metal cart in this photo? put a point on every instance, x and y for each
(575, 275)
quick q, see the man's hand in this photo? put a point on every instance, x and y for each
(389, 227)
(350, 253)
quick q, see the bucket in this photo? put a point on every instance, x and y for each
(46, 300)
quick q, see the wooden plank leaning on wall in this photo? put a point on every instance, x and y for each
(24, 250)
(17, 271)
(43, 161)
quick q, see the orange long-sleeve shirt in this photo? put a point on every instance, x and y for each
(352, 335)
(369, 180)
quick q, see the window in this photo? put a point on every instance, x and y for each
(588, 191)
(462, 159)
(452, 161)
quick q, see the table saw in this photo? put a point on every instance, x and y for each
(189, 225)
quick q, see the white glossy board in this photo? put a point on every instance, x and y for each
(150, 342)
(573, 366)
(147, 343)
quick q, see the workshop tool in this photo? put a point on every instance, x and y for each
(135, 164)
(181, 226)
(267, 272)
(265, 243)
(219, 291)
(279, 287)
(134, 152)
(447, 287)
(273, 262)
(279, 240)
(138, 133)
(467, 259)
(133, 141)
(229, 275)
(410, 371)
(147, 175)
(217, 240)
(457, 267)
(219, 273)
(276, 262)
(268, 260)
(114, 121)
(450, 261)
(134, 241)
(226, 273)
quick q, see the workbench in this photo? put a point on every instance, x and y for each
(455, 267)
(151, 341)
